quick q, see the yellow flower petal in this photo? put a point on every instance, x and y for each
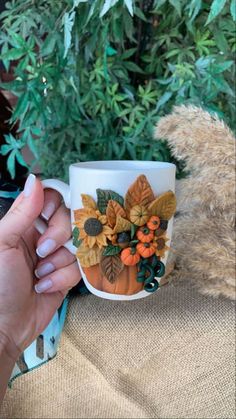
(101, 240)
(83, 212)
(161, 253)
(91, 240)
(107, 230)
(79, 223)
(82, 234)
(103, 219)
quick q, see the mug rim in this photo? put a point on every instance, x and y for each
(94, 165)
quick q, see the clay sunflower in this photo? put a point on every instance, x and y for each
(160, 244)
(92, 227)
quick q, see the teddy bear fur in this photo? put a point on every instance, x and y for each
(204, 237)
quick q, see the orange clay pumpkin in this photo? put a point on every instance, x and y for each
(130, 256)
(125, 284)
(146, 249)
(145, 235)
(154, 222)
(139, 215)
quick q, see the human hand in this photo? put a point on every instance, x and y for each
(27, 305)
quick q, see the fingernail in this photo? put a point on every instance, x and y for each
(29, 185)
(43, 285)
(46, 248)
(48, 210)
(44, 269)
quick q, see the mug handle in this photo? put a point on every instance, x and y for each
(64, 190)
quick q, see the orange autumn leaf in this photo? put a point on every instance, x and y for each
(121, 225)
(113, 210)
(111, 267)
(164, 206)
(139, 193)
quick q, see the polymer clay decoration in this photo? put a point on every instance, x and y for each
(121, 241)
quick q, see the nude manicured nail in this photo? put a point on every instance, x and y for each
(48, 210)
(29, 185)
(43, 285)
(47, 247)
(44, 269)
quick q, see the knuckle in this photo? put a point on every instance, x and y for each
(72, 274)
(61, 223)
(64, 233)
(51, 195)
(20, 214)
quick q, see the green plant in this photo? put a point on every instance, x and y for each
(92, 76)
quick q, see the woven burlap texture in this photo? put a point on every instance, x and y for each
(170, 355)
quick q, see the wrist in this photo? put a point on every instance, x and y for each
(8, 357)
(8, 348)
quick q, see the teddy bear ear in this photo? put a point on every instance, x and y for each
(164, 206)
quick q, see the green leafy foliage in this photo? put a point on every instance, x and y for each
(111, 250)
(134, 228)
(233, 9)
(105, 195)
(93, 77)
(75, 235)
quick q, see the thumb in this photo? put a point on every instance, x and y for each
(23, 213)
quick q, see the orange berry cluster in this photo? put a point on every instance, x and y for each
(146, 246)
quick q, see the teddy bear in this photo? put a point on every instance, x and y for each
(203, 241)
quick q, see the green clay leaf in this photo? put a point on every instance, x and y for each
(134, 242)
(111, 250)
(75, 235)
(104, 196)
(133, 230)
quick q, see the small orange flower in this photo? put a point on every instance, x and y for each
(160, 245)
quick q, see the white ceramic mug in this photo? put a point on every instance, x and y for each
(117, 176)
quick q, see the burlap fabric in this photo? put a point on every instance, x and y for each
(171, 355)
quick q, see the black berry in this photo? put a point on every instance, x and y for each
(123, 237)
(163, 224)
